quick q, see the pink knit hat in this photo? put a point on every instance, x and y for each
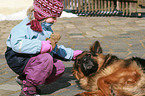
(44, 9)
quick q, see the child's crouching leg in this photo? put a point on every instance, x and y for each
(37, 70)
(58, 70)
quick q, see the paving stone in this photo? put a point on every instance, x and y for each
(8, 75)
(5, 92)
(93, 34)
(15, 94)
(2, 80)
(9, 87)
(137, 47)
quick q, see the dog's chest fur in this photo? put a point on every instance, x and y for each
(90, 83)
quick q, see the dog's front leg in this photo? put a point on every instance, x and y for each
(121, 77)
(96, 93)
(104, 86)
(104, 83)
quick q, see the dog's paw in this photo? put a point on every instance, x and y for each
(98, 93)
(84, 94)
(79, 95)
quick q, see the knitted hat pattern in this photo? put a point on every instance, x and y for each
(44, 9)
(47, 8)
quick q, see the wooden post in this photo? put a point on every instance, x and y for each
(109, 5)
(96, 5)
(105, 5)
(127, 7)
(118, 5)
(85, 5)
(99, 4)
(72, 4)
(68, 2)
(112, 5)
(92, 3)
(75, 4)
(89, 6)
(79, 6)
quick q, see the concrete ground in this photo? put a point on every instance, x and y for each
(121, 36)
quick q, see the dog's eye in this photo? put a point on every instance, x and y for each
(79, 61)
(88, 55)
(95, 55)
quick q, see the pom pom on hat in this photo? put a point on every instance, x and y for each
(44, 9)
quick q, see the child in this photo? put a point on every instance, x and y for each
(28, 52)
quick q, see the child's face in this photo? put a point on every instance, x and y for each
(51, 20)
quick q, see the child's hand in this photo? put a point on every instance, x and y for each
(54, 38)
(45, 46)
(76, 53)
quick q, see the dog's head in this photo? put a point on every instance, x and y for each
(90, 62)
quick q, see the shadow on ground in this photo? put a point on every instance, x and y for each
(61, 83)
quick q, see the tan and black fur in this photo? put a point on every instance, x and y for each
(108, 75)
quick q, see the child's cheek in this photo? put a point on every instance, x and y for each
(50, 20)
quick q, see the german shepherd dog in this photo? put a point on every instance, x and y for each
(108, 75)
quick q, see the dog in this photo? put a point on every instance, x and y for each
(108, 75)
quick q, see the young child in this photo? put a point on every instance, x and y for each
(28, 52)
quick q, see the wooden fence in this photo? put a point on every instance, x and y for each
(141, 2)
(103, 7)
(127, 6)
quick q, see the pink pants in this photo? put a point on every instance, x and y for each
(43, 69)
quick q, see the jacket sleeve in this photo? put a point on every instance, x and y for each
(22, 43)
(63, 52)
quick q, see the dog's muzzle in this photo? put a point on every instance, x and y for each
(88, 66)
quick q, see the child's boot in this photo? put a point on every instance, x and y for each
(28, 89)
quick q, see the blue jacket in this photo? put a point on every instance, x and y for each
(24, 43)
(23, 39)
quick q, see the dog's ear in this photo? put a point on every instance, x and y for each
(139, 61)
(96, 48)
